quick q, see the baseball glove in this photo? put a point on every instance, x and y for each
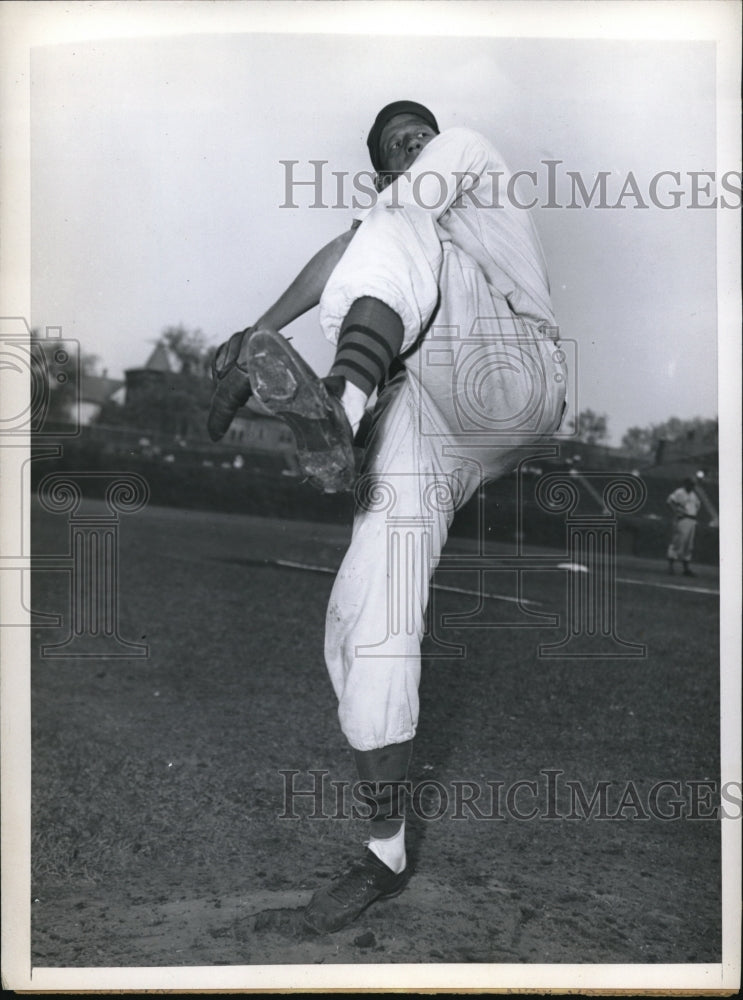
(232, 385)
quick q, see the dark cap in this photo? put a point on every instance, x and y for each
(385, 115)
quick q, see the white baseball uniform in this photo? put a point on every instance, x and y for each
(483, 380)
(686, 506)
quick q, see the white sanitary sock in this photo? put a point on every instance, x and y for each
(391, 850)
(353, 401)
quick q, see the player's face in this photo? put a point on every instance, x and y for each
(402, 139)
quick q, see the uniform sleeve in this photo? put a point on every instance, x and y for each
(455, 162)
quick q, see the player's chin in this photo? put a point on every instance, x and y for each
(386, 177)
(412, 160)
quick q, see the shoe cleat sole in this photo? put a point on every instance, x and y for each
(290, 390)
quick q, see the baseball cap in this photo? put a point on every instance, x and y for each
(385, 115)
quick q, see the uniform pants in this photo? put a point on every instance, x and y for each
(682, 540)
(479, 388)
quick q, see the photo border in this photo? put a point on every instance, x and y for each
(24, 26)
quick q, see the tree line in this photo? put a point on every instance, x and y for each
(643, 443)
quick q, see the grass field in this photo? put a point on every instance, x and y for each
(157, 785)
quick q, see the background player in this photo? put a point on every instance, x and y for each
(685, 504)
(439, 297)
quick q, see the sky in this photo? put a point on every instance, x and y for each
(158, 191)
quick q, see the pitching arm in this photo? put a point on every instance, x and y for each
(302, 295)
(305, 291)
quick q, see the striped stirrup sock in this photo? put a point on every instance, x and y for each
(384, 773)
(369, 340)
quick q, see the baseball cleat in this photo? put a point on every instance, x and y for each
(289, 389)
(349, 893)
(232, 389)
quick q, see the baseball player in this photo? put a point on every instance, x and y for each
(684, 503)
(437, 297)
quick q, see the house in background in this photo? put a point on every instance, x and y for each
(255, 432)
(95, 392)
(164, 376)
